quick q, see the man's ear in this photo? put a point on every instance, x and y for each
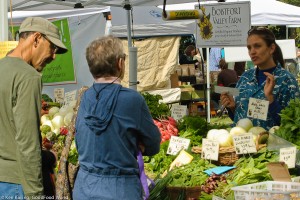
(36, 36)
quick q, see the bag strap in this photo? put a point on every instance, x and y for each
(143, 176)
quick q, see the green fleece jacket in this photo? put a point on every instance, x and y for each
(20, 144)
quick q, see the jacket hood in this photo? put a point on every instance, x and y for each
(99, 111)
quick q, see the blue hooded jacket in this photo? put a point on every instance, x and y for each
(108, 129)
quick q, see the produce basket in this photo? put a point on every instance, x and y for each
(268, 190)
(227, 155)
(190, 193)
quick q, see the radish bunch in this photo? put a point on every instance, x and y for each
(167, 128)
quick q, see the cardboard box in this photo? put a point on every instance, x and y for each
(174, 80)
(279, 171)
(186, 70)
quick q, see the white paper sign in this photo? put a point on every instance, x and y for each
(229, 90)
(288, 155)
(59, 94)
(177, 144)
(217, 198)
(258, 109)
(182, 159)
(223, 24)
(70, 96)
(244, 144)
(178, 111)
(210, 149)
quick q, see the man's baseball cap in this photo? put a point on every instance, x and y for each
(45, 27)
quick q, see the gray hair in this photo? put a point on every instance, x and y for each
(102, 56)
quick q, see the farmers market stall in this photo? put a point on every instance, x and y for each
(197, 160)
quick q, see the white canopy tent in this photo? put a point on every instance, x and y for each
(70, 4)
(39, 5)
(147, 21)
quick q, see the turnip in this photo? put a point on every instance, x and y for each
(64, 110)
(256, 130)
(57, 121)
(245, 123)
(68, 118)
(53, 110)
(44, 118)
(224, 139)
(261, 133)
(237, 131)
(212, 134)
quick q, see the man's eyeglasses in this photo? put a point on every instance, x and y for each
(53, 47)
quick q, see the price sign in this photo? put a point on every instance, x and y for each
(217, 198)
(288, 155)
(70, 96)
(210, 149)
(177, 144)
(258, 109)
(178, 111)
(59, 94)
(244, 144)
(182, 159)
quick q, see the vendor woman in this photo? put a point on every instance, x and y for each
(267, 81)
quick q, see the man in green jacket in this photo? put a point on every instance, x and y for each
(20, 107)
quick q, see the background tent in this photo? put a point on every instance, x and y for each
(70, 4)
(19, 16)
(147, 21)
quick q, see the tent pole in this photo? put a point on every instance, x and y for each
(128, 9)
(3, 21)
(208, 85)
(131, 50)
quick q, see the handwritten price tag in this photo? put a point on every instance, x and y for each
(59, 94)
(210, 149)
(178, 111)
(70, 96)
(288, 155)
(258, 109)
(177, 144)
(244, 144)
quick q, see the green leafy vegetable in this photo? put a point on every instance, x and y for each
(157, 109)
(290, 122)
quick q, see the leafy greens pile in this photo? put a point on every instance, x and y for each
(290, 122)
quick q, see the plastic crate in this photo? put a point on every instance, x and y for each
(268, 190)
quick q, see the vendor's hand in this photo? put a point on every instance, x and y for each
(227, 101)
(269, 86)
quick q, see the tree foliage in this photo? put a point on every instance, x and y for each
(292, 2)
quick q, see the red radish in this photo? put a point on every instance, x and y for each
(172, 121)
(63, 131)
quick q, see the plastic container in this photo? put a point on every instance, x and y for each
(268, 190)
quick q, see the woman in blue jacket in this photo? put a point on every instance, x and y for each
(267, 81)
(112, 122)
